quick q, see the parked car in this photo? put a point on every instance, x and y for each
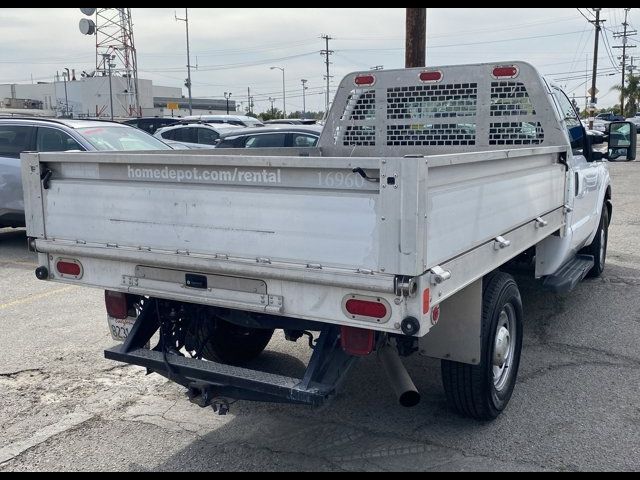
(239, 120)
(272, 136)
(292, 121)
(609, 117)
(151, 124)
(195, 135)
(635, 120)
(18, 135)
(600, 125)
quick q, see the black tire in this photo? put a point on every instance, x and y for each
(471, 389)
(225, 342)
(598, 248)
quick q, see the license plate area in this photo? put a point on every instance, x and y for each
(201, 281)
(199, 287)
(120, 327)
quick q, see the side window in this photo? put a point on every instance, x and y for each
(53, 140)
(185, 135)
(169, 134)
(14, 140)
(207, 136)
(302, 140)
(266, 140)
(574, 125)
(191, 134)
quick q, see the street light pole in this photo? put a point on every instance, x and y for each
(186, 22)
(65, 75)
(227, 96)
(304, 106)
(284, 95)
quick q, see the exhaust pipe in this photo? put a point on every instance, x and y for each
(399, 378)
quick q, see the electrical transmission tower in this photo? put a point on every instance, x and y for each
(115, 50)
(624, 35)
(326, 52)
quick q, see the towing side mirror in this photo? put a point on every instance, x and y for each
(622, 140)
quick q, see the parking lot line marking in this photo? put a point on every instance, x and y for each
(31, 298)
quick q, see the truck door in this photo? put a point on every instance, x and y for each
(585, 175)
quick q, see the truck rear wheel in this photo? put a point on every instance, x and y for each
(483, 391)
(598, 248)
(225, 342)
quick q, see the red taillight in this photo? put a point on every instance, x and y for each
(505, 71)
(365, 80)
(366, 308)
(356, 341)
(431, 76)
(116, 304)
(71, 268)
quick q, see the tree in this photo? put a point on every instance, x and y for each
(270, 114)
(631, 92)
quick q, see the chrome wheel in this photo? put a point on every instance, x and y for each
(504, 347)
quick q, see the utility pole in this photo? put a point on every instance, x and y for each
(304, 105)
(272, 100)
(326, 52)
(188, 82)
(624, 35)
(596, 23)
(415, 37)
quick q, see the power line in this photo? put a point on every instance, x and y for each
(506, 40)
(237, 65)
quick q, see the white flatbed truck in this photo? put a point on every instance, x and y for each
(391, 237)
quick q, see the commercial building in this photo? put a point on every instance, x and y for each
(93, 97)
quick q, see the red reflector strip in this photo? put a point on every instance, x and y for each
(505, 72)
(364, 80)
(431, 76)
(116, 304)
(426, 301)
(69, 268)
(356, 341)
(365, 308)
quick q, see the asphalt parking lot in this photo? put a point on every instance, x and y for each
(576, 405)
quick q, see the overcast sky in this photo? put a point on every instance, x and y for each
(234, 48)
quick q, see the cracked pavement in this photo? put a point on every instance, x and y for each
(575, 407)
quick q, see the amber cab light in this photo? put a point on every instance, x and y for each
(365, 80)
(432, 76)
(505, 71)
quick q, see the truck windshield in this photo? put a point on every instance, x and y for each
(121, 138)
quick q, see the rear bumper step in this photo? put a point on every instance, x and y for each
(224, 380)
(207, 380)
